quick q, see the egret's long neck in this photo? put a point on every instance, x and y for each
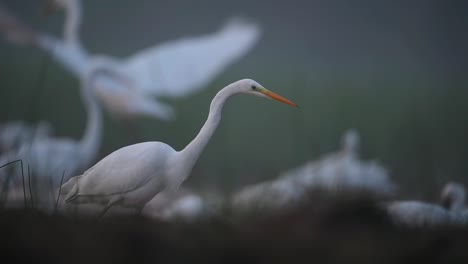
(72, 22)
(193, 150)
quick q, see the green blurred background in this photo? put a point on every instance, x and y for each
(394, 70)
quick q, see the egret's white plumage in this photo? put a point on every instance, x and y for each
(133, 175)
(341, 171)
(172, 69)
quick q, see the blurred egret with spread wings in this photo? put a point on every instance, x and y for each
(133, 175)
(171, 69)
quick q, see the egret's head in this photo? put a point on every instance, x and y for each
(453, 196)
(252, 87)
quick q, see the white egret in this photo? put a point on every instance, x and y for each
(133, 175)
(417, 213)
(171, 69)
(52, 158)
(336, 172)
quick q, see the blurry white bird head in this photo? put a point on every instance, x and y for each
(248, 86)
(453, 196)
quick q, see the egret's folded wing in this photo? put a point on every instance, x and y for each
(124, 170)
(183, 66)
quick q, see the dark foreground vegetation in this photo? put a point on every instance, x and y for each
(323, 230)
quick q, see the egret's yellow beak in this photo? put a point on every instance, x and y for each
(277, 97)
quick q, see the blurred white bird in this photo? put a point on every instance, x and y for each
(17, 133)
(417, 213)
(344, 171)
(337, 172)
(171, 69)
(182, 205)
(52, 158)
(133, 175)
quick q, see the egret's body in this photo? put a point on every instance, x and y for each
(171, 69)
(143, 176)
(133, 175)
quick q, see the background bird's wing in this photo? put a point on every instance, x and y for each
(179, 67)
(125, 170)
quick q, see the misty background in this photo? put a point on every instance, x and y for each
(394, 70)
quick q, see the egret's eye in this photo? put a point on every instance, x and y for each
(253, 87)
